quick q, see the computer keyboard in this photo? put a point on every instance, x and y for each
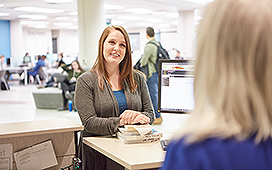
(164, 144)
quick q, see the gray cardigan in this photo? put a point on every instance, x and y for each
(98, 109)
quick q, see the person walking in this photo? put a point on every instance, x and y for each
(149, 58)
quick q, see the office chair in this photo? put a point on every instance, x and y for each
(40, 77)
(2, 79)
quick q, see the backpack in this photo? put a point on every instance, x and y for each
(161, 54)
(143, 69)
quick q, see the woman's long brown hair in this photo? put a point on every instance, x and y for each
(125, 67)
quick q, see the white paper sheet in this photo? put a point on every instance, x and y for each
(6, 156)
(39, 156)
(141, 129)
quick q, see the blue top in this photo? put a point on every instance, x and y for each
(121, 99)
(223, 154)
(35, 71)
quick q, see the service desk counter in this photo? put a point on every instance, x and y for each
(61, 132)
(141, 155)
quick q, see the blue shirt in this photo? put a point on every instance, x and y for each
(121, 99)
(35, 71)
(223, 154)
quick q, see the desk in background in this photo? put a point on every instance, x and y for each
(17, 69)
(138, 156)
(26, 134)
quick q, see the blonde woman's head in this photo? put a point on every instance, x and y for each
(233, 81)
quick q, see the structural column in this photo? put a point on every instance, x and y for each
(16, 42)
(186, 34)
(91, 23)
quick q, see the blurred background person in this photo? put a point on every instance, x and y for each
(27, 58)
(3, 63)
(33, 72)
(231, 125)
(149, 58)
(69, 84)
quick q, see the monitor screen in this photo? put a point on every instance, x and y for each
(176, 79)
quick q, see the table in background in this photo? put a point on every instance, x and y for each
(142, 155)
(17, 69)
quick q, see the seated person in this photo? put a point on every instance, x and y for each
(68, 85)
(27, 58)
(3, 64)
(32, 73)
(231, 125)
(52, 82)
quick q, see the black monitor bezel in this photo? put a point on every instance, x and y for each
(159, 82)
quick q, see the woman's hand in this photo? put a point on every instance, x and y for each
(73, 79)
(131, 117)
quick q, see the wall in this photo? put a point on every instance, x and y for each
(68, 42)
(5, 38)
(37, 41)
(17, 51)
(169, 40)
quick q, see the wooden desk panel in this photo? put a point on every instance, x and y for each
(26, 134)
(38, 127)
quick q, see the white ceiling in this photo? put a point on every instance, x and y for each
(163, 13)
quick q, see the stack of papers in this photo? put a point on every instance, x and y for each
(138, 134)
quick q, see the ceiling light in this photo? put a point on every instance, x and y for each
(33, 23)
(38, 26)
(126, 17)
(117, 22)
(63, 24)
(154, 20)
(73, 27)
(112, 7)
(144, 24)
(39, 10)
(163, 25)
(73, 13)
(199, 1)
(33, 17)
(58, 1)
(1, 5)
(159, 13)
(172, 15)
(3, 14)
(61, 18)
(139, 10)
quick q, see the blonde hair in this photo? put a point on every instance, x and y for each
(233, 84)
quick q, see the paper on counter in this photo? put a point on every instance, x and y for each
(141, 129)
(39, 156)
(6, 156)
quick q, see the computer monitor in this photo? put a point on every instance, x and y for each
(176, 79)
(8, 61)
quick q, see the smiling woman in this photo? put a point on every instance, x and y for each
(114, 49)
(111, 94)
